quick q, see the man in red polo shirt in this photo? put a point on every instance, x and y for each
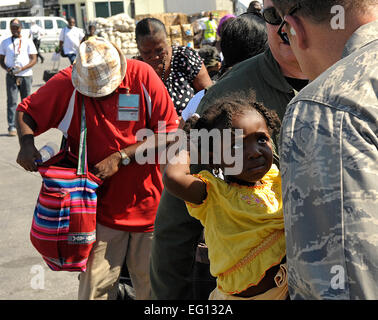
(130, 193)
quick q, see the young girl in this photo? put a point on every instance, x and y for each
(241, 214)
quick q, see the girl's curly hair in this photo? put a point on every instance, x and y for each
(221, 113)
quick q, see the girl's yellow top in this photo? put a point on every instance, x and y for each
(244, 229)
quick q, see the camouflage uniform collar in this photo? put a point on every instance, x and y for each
(361, 37)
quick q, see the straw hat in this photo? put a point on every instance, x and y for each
(99, 68)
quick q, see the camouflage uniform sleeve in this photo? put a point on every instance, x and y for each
(329, 168)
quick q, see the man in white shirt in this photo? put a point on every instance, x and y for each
(36, 33)
(69, 40)
(17, 56)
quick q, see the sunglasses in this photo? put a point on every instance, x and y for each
(271, 16)
(283, 35)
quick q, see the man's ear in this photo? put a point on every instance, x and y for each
(296, 29)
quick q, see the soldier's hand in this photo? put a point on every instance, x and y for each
(28, 156)
(107, 167)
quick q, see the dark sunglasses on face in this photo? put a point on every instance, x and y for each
(271, 16)
(283, 35)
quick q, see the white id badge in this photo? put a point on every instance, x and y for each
(128, 107)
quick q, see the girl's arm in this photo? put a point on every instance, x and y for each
(180, 183)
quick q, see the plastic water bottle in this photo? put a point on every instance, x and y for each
(48, 151)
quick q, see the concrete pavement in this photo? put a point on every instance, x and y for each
(23, 273)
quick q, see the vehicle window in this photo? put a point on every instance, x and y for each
(24, 24)
(39, 22)
(61, 24)
(3, 25)
(48, 24)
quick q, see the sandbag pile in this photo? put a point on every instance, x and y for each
(119, 29)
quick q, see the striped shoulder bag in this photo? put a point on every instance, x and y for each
(64, 223)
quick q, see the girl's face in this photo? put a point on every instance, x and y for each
(153, 49)
(257, 147)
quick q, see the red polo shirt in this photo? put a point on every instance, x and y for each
(128, 200)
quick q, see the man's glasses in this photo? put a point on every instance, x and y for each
(271, 16)
(283, 35)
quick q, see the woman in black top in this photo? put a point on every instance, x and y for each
(180, 68)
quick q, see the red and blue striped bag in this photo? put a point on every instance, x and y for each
(64, 223)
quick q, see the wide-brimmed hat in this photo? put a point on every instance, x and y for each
(99, 68)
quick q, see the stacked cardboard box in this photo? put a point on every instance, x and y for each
(172, 19)
(187, 35)
(181, 28)
(180, 32)
(175, 35)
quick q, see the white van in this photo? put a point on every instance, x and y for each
(52, 27)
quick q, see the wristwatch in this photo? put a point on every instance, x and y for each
(125, 159)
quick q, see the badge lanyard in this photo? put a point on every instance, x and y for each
(14, 46)
(16, 54)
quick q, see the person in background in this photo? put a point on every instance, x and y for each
(255, 7)
(130, 192)
(17, 57)
(210, 31)
(244, 37)
(91, 33)
(211, 60)
(329, 150)
(180, 68)
(69, 40)
(222, 24)
(36, 33)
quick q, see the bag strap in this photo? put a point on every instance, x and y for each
(82, 165)
(148, 101)
(66, 121)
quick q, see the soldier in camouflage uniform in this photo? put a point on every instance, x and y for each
(328, 154)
